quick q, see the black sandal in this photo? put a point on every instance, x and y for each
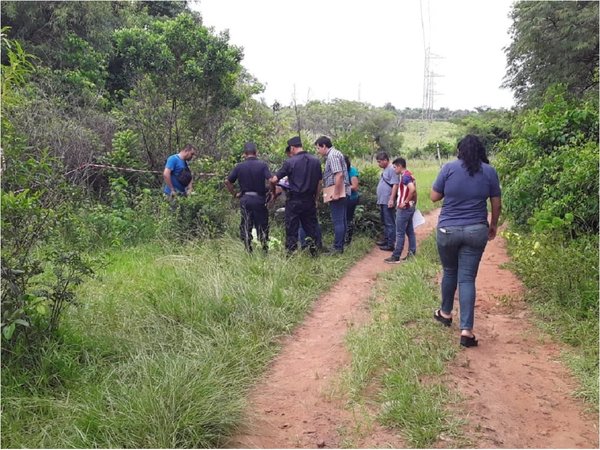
(437, 315)
(468, 341)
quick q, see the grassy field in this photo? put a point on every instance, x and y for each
(163, 347)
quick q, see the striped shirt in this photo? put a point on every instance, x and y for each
(405, 179)
(335, 163)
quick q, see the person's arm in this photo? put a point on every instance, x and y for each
(167, 177)
(354, 184)
(435, 196)
(411, 192)
(393, 194)
(339, 185)
(189, 187)
(496, 203)
(230, 188)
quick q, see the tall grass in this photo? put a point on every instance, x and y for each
(402, 352)
(163, 347)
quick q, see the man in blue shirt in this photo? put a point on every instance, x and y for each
(386, 196)
(177, 174)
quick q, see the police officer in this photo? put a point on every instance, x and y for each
(304, 177)
(251, 175)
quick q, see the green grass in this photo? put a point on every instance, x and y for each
(402, 353)
(163, 348)
(434, 131)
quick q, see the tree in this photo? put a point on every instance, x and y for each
(552, 42)
(196, 71)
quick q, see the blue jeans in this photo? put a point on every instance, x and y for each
(404, 227)
(338, 218)
(388, 219)
(460, 249)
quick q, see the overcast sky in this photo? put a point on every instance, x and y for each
(371, 51)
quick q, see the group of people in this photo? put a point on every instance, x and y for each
(462, 231)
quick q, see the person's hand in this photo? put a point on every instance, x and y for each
(173, 194)
(335, 196)
(492, 232)
(237, 195)
(390, 203)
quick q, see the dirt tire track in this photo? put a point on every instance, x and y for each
(516, 392)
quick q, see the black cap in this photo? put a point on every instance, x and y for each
(249, 147)
(295, 142)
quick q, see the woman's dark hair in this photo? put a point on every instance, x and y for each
(347, 162)
(471, 151)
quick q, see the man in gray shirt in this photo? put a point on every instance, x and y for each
(386, 196)
(336, 174)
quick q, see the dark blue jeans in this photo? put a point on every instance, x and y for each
(388, 219)
(350, 209)
(338, 218)
(404, 227)
(460, 249)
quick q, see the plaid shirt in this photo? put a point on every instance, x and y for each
(335, 163)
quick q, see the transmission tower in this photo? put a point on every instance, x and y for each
(428, 81)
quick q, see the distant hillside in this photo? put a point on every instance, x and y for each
(434, 131)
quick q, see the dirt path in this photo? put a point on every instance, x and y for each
(516, 393)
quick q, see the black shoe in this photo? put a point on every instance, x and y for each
(467, 341)
(392, 260)
(386, 248)
(380, 243)
(333, 252)
(437, 315)
(409, 255)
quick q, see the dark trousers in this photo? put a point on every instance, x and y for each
(350, 209)
(254, 215)
(300, 209)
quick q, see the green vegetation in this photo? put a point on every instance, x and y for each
(163, 348)
(550, 178)
(126, 324)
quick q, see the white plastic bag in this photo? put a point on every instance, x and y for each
(418, 219)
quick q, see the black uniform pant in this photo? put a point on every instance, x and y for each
(300, 209)
(254, 215)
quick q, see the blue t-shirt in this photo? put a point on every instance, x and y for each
(353, 172)
(465, 197)
(176, 164)
(386, 182)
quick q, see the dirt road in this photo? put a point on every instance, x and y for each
(516, 393)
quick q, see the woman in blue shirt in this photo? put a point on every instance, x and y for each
(352, 201)
(463, 230)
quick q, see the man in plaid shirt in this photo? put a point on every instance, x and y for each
(336, 174)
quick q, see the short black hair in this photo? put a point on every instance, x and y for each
(347, 161)
(399, 162)
(382, 156)
(324, 140)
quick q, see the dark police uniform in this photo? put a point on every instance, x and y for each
(304, 175)
(251, 175)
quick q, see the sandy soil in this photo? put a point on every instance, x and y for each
(516, 393)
